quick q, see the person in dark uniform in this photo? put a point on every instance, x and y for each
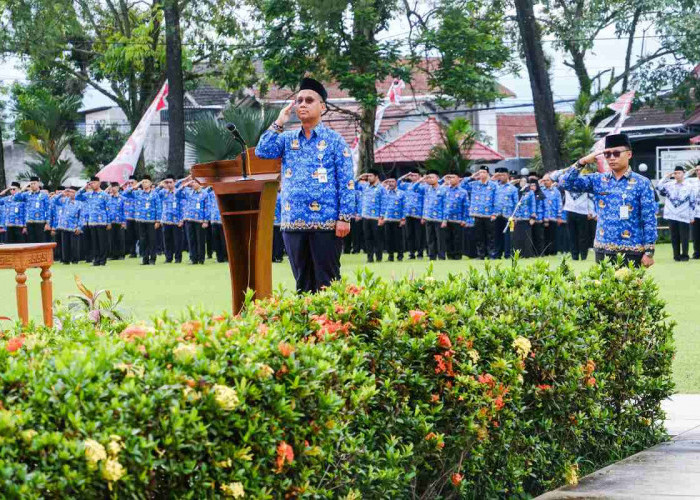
(625, 204)
(68, 227)
(506, 199)
(456, 211)
(552, 215)
(318, 187)
(148, 210)
(523, 219)
(483, 208)
(171, 219)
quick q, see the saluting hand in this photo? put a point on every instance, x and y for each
(285, 114)
(591, 158)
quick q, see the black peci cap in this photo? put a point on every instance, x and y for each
(433, 171)
(374, 171)
(501, 170)
(484, 167)
(15, 184)
(617, 140)
(169, 176)
(315, 85)
(679, 168)
(132, 177)
(146, 178)
(94, 178)
(34, 179)
(114, 184)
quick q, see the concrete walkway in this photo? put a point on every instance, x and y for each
(670, 470)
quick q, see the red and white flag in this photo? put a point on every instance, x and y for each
(124, 164)
(393, 96)
(622, 106)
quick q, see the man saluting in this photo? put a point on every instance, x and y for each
(624, 202)
(317, 195)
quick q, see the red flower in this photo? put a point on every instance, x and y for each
(134, 331)
(444, 341)
(14, 344)
(487, 379)
(285, 454)
(440, 368)
(589, 368)
(416, 316)
(544, 387)
(434, 398)
(329, 328)
(590, 381)
(285, 349)
(498, 403)
(219, 318)
(353, 289)
(456, 479)
(190, 327)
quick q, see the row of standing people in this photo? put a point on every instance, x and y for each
(99, 221)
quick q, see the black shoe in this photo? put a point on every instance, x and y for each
(168, 261)
(696, 257)
(370, 260)
(390, 259)
(178, 261)
(400, 258)
(95, 264)
(412, 257)
(192, 263)
(685, 258)
(145, 263)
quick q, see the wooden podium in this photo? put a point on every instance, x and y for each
(247, 213)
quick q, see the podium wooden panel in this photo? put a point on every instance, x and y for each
(247, 214)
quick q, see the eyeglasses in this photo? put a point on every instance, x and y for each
(614, 154)
(308, 100)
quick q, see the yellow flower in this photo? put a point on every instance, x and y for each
(185, 353)
(234, 490)
(622, 273)
(191, 395)
(224, 464)
(114, 448)
(523, 346)
(113, 470)
(226, 397)
(28, 435)
(265, 371)
(94, 452)
(571, 474)
(474, 355)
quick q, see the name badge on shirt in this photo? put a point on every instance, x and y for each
(197, 206)
(174, 204)
(624, 212)
(322, 175)
(295, 144)
(36, 204)
(16, 210)
(147, 205)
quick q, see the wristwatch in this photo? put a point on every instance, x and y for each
(580, 165)
(277, 128)
(649, 253)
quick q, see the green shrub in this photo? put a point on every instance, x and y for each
(497, 384)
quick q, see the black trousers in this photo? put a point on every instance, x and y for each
(70, 246)
(634, 258)
(374, 239)
(35, 232)
(131, 236)
(147, 241)
(483, 236)
(100, 244)
(209, 235)
(86, 245)
(436, 238)
(314, 257)
(3, 237)
(218, 241)
(116, 241)
(469, 243)
(563, 237)
(56, 238)
(160, 240)
(15, 235)
(679, 239)
(196, 236)
(522, 239)
(696, 239)
(454, 238)
(578, 226)
(538, 238)
(357, 236)
(278, 244)
(415, 237)
(550, 238)
(393, 237)
(172, 242)
(499, 238)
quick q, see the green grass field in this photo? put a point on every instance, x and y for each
(172, 287)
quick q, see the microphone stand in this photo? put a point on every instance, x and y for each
(244, 157)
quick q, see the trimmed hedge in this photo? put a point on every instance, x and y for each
(498, 384)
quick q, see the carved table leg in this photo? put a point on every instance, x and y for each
(46, 296)
(22, 304)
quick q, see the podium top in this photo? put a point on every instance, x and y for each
(231, 170)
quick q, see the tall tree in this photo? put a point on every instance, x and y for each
(176, 89)
(545, 119)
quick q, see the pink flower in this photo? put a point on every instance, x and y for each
(416, 316)
(14, 344)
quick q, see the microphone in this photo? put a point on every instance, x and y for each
(231, 127)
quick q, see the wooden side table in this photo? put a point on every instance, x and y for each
(22, 256)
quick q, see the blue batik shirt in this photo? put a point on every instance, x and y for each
(317, 177)
(456, 204)
(631, 229)
(214, 213)
(3, 216)
(129, 208)
(171, 206)
(55, 211)
(434, 203)
(483, 199)
(506, 199)
(15, 215)
(394, 205)
(96, 206)
(415, 193)
(357, 212)
(528, 208)
(372, 200)
(195, 204)
(36, 205)
(552, 204)
(278, 211)
(115, 209)
(71, 215)
(147, 205)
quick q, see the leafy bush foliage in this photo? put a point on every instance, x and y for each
(497, 384)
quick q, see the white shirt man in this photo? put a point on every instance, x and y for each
(679, 210)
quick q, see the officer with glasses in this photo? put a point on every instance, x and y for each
(624, 202)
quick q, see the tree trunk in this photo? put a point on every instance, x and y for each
(366, 145)
(540, 85)
(630, 44)
(3, 179)
(176, 89)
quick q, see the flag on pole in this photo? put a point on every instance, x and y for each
(393, 96)
(622, 106)
(124, 164)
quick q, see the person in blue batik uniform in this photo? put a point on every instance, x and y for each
(3, 226)
(317, 188)
(415, 231)
(69, 226)
(625, 204)
(171, 219)
(15, 215)
(217, 228)
(148, 210)
(37, 207)
(117, 222)
(373, 194)
(523, 218)
(96, 205)
(195, 213)
(456, 212)
(679, 210)
(483, 209)
(434, 216)
(506, 199)
(393, 219)
(131, 235)
(552, 215)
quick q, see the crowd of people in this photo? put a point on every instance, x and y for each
(108, 221)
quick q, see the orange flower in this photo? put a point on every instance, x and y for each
(285, 454)
(285, 349)
(434, 398)
(544, 387)
(134, 331)
(430, 435)
(589, 368)
(444, 341)
(498, 403)
(456, 479)
(416, 316)
(14, 344)
(263, 329)
(353, 289)
(219, 318)
(590, 381)
(330, 328)
(190, 327)
(487, 379)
